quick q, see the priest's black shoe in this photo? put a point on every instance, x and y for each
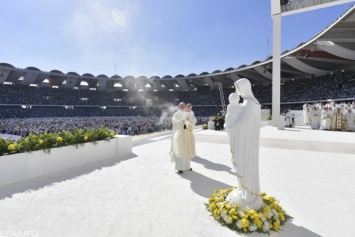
(190, 169)
(180, 171)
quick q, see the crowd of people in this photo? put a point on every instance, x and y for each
(60, 111)
(331, 116)
(335, 85)
(121, 125)
(22, 102)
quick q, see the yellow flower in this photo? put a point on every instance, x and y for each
(276, 206)
(59, 139)
(40, 141)
(251, 212)
(245, 223)
(282, 217)
(268, 198)
(228, 206)
(11, 147)
(236, 205)
(266, 210)
(232, 211)
(258, 222)
(33, 136)
(86, 138)
(276, 225)
(212, 206)
(215, 212)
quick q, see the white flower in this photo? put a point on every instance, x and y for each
(266, 226)
(227, 219)
(263, 218)
(253, 227)
(239, 224)
(275, 212)
(225, 216)
(270, 214)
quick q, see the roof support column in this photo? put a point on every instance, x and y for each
(276, 69)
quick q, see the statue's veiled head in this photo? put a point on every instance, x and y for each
(243, 87)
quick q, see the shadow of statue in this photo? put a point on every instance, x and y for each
(212, 166)
(291, 230)
(291, 130)
(42, 181)
(203, 185)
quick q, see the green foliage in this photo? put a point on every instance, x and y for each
(269, 117)
(46, 141)
(205, 126)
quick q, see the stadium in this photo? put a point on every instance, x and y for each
(327, 57)
(75, 202)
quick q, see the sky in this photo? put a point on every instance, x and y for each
(147, 37)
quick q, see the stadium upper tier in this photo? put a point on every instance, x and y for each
(332, 49)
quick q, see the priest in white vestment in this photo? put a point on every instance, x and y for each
(349, 116)
(337, 120)
(243, 127)
(326, 118)
(190, 123)
(289, 119)
(180, 153)
(315, 118)
(307, 116)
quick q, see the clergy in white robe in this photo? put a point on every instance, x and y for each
(289, 119)
(190, 123)
(307, 116)
(350, 119)
(332, 111)
(337, 120)
(246, 123)
(180, 152)
(315, 118)
(326, 118)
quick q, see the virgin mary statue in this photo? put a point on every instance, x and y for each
(243, 128)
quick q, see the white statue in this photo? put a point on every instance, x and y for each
(243, 128)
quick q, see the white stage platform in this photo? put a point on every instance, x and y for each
(309, 172)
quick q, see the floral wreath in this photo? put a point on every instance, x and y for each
(270, 217)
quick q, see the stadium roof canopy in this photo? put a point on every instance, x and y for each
(330, 50)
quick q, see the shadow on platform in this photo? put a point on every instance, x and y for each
(212, 166)
(42, 181)
(291, 230)
(203, 185)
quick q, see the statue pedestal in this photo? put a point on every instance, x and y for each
(233, 197)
